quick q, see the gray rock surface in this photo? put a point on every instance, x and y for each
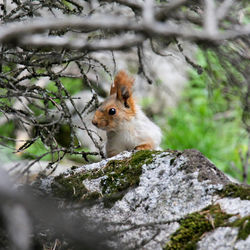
(222, 238)
(234, 206)
(172, 186)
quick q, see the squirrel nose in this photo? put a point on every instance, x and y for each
(94, 122)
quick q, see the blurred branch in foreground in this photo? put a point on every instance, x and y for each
(144, 25)
(28, 213)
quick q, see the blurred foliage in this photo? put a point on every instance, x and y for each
(38, 147)
(208, 118)
(72, 85)
(63, 134)
(8, 129)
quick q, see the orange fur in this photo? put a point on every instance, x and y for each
(121, 79)
(144, 147)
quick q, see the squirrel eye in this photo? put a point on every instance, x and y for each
(112, 111)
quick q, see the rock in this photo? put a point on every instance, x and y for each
(159, 200)
(222, 234)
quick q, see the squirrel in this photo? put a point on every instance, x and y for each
(127, 127)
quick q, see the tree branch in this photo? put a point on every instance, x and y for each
(114, 43)
(15, 32)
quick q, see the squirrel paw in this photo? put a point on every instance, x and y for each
(144, 147)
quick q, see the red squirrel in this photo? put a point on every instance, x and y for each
(127, 127)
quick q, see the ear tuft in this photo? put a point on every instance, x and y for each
(122, 80)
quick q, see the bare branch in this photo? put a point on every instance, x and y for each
(129, 3)
(223, 9)
(148, 12)
(164, 10)
(210, 20)
(115, 43)
(16, 31)
(13, 31)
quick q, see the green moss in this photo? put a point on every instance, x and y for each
(70, 187)
(244, 230)
(118, 176)
(235, 190)
(195, 225)
(143, 157)
(244, 227)
(123, 174)
(93, 196)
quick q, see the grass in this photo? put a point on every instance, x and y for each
(208, 120)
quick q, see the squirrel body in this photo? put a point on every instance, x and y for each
(137, 133)
(127, 127)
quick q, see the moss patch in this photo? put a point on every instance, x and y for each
(235, 190)
(244, 227)
(122, 174)
(117, 177)
(70, 187)
(195, 225)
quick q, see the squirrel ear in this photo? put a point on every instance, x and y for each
(125, 94)
(122, 87)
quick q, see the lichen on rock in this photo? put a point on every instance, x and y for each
(235, 190)
(155, 200)
(243, 224)
(195, 225)
(123, 174)
(70, 187)
(233, 235)
(114, 179)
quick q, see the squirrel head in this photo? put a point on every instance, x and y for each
(118, 107)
